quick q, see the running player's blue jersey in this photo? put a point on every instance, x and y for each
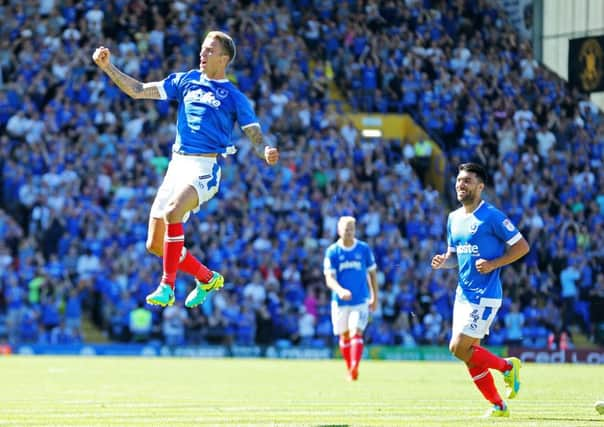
(483, 233)
(350, 267)
(207, 111)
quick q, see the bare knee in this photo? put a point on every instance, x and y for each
(455, 349)
(461, 350)
(452, 348)
(174, 213)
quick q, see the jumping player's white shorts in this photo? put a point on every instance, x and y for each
(202, 173)
(349, 317)
(473, 320)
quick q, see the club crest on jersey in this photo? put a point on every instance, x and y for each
(222, 93)
(473, 227)
(508, 225)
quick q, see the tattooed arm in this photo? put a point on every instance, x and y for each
(129, 85)
(270, 154)
(254, 134)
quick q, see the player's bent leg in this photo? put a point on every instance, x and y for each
(180, 203)
(163, 296)
(198, 295)
(512, 377)
(461, 346)
(156, 230)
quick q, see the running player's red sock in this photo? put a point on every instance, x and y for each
(356, 352)
(483, 357)
(484, 381)
(190, 264)
(173, 244)
(345, 349)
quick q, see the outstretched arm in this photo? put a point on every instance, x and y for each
(129, 85)
(270, 154)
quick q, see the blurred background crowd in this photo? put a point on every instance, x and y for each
(81, 162)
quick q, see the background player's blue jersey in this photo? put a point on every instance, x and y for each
(350, 266)
(207, 111)
(483, 233)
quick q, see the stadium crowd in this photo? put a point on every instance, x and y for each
(80, 163)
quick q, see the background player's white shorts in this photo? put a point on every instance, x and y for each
(349, 317)
(473, 320)
(203, 173)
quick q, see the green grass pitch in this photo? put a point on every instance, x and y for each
(103, 391)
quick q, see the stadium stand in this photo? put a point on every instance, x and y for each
(80, 163)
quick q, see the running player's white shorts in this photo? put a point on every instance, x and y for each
(203, 173)
(349, 317)
(473, 320)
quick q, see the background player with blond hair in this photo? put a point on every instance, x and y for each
(351, 273)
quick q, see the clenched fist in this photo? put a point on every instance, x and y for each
(344, 294)
(101, 57)
(271, 154)
(438, 261)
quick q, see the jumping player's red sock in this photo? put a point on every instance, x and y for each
(190, 264)
(345, 349)
(484, 381)
(356, 353)
(173, 244)
(481, 357)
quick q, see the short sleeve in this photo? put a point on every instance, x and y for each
(171, 86)
(504, 229)
(327, 261)
(450, 245)
(245, 113)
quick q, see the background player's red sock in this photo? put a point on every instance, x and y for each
(173, 244)
(190, 264)
(484, 381)
(345, 349)
(356, 352)
(483, 357)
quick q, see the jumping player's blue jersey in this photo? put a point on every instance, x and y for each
(483, 233)
(350, 267)
(207, 111)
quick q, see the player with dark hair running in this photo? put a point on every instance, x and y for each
(481, 240)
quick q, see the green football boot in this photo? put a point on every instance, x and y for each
(512, 377)
(163, 296)
(498, 411)
(198, 295)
